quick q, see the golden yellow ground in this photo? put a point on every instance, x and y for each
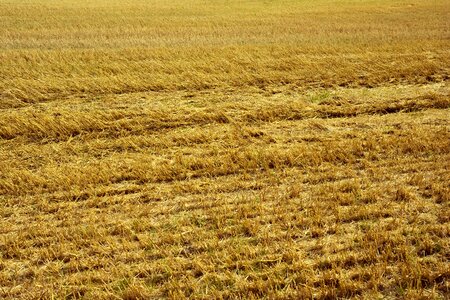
(224, 149)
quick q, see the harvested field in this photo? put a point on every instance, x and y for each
(224, 149)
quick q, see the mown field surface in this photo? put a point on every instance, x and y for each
(224, 149)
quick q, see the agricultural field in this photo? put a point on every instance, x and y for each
(255, 149)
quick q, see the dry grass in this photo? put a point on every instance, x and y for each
(224, 149)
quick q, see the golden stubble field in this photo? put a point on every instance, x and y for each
(224, 149)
